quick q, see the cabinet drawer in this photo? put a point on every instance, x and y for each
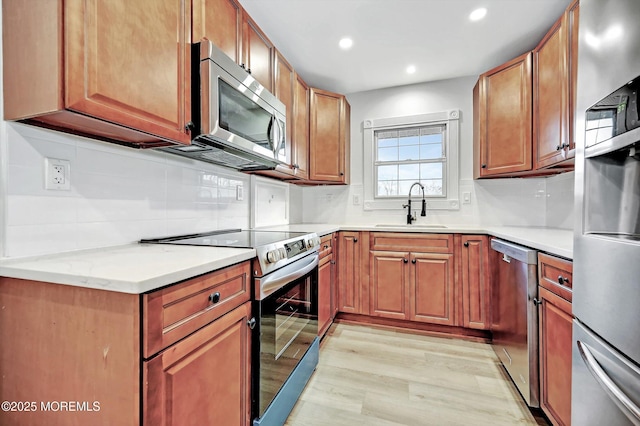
(556, 275)
(176, 311)
(326, 246)
(426, 243)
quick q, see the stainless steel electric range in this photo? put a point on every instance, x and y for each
(285, 294)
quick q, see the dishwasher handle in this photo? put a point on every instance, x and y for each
(510, 250)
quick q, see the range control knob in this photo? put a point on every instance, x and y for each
(283, 253)
(311, 242)
(273, 256)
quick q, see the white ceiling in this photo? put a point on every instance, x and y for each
(434, 35)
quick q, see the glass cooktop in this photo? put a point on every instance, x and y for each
(229, 238)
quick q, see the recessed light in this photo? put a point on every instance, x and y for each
(478, 14)
(345, 43)
(411, 69)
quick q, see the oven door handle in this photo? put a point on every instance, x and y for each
(287, 274)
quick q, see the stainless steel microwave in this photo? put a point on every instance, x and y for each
(238, 123)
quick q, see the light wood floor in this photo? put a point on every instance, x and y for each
(370, 376)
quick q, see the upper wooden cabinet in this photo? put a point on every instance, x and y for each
(258, 52)
(524, 109)
(285, 78)
(554, 84)
(221, 22)
(116, 70)
(329, 135)
(300, 144)
(502, 130)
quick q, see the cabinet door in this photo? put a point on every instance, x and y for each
(389, 279)
(349, 272)
(324, 294)
(221, 22)
(550, 97)
(475, 282)
(431, 289)
(326, 137)
(258, 52)
(128, 62)
(300, 137)
(284, 86)
(572, 19)
(203, 379)
(504, 118)
(555, 357)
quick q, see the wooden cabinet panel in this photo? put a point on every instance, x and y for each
(327, 151)
(556, 275)
(503, 101)
(349, 272)
(550, 97)
(325, 282)
(221, 22)
(300, 145)
(172, 313)
(475, 280)
(572, 18)
(284, 91)
(555, 357)
(432, 243)
(432, 293)
(389, 284)
(205, 378)
(108, 72)
(93, 76)
(258, 52)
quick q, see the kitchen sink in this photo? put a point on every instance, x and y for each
(412, 226)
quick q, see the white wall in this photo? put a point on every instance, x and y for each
(513, 202)
(118, 195)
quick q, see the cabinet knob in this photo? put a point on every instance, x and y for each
(252, 323)
(405, 260)
(537, 301)
(484, 166)
(214, 297)
(249, 70)
(559, 147)
(355, 240)
(466, 244)
(341, 174)
(190, 127)
(242, 66)
(413, 261)
(563, 280)
(326, 246)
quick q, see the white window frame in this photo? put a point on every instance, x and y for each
(450, 119)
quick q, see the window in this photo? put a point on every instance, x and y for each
(400, 151)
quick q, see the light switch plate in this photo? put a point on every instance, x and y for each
(466, 198)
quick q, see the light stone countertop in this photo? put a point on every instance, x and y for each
(554, 241)
(132, 268)
(139, 268)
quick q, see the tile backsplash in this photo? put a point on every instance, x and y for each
(118, 195)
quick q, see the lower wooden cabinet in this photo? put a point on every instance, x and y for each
(326, 284)
(410, 285)
(475, 284)
(204, 379)
(90, 346)
(431, 292)
(555, 319)
(349, 272)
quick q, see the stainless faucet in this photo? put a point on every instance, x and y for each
(411, 218)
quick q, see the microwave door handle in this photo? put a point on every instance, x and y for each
(270, 131)
(280, 138)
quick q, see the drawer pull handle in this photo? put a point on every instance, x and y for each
(252, 323)
(563, 280)
(214, 297)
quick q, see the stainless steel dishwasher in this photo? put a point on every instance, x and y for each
(514, 315)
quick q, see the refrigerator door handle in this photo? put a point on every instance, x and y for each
(618, 396)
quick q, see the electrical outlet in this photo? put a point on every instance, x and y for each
(356, 199)
(57, 174)
(239, 193)
(466, 198)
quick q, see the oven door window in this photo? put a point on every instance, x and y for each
(288, 326)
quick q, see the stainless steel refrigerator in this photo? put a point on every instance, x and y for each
(606, 300)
